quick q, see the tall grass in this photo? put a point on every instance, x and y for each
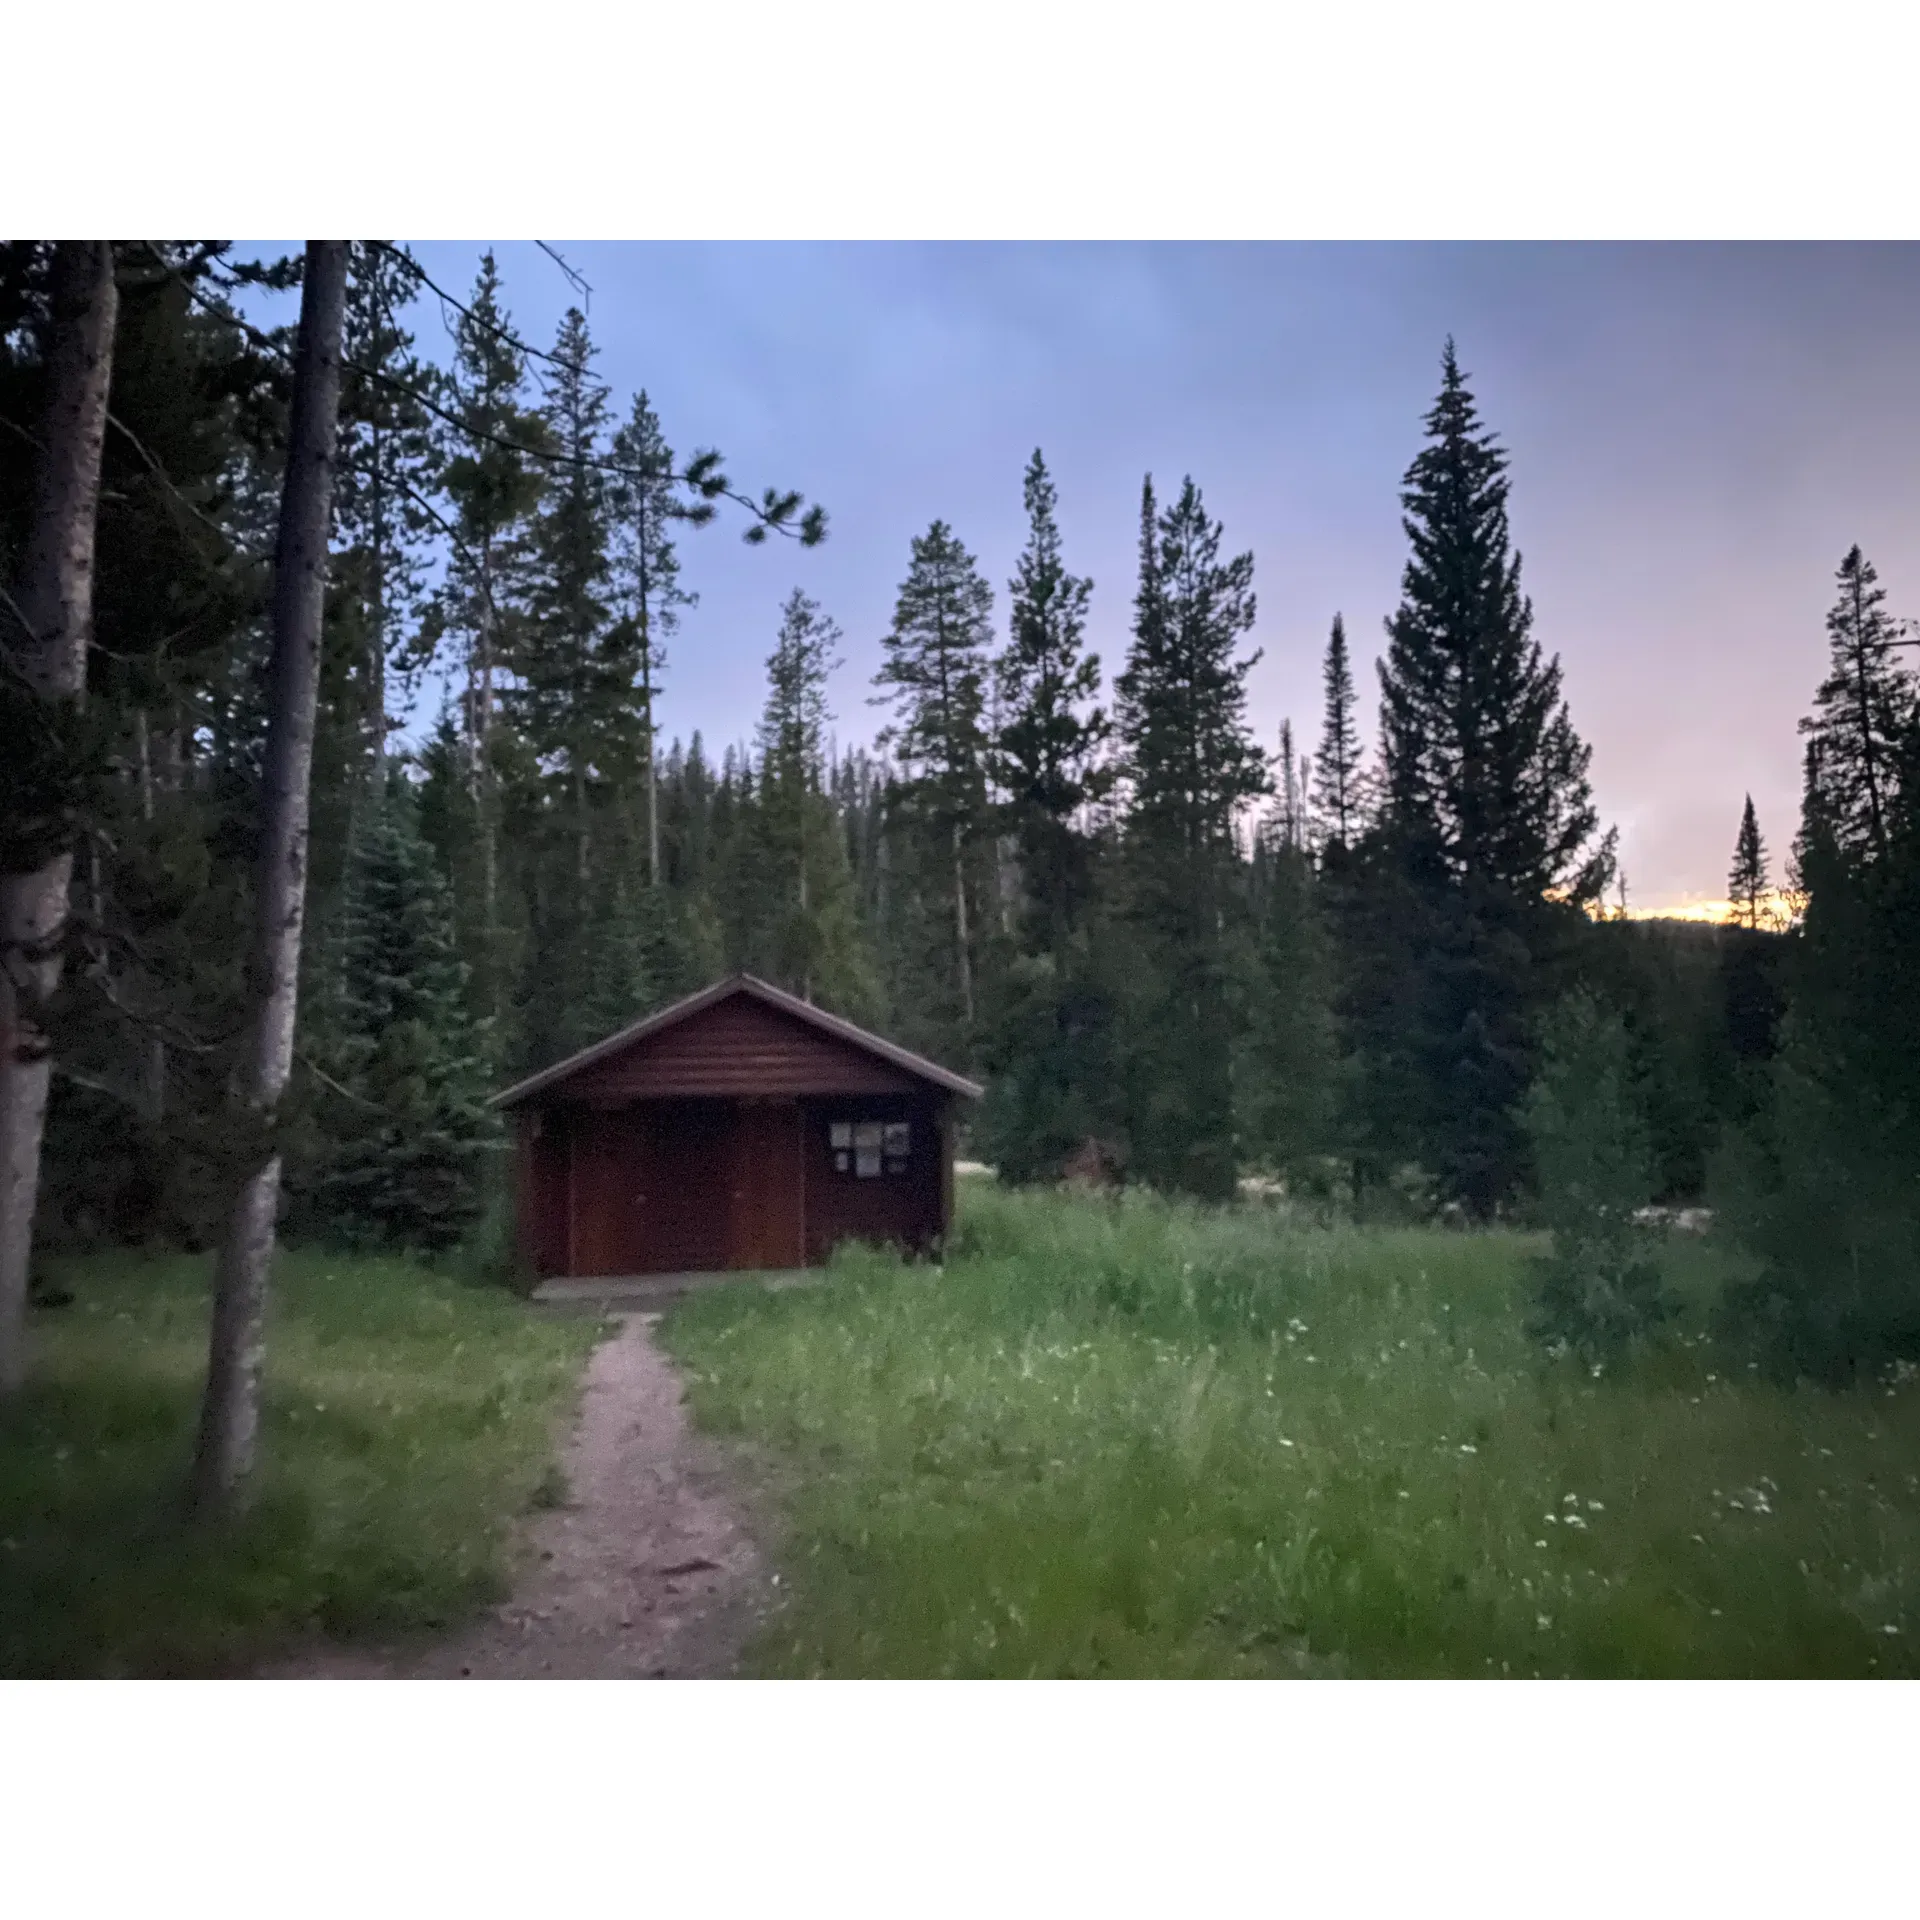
(1135, 1438)
(407, 1419)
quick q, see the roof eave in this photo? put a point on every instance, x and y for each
(684, 1009)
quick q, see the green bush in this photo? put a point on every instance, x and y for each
(1599, 1289)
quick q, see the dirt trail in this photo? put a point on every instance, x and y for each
(648, 1571)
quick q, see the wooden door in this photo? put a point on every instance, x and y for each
(606, 1153)
(768, 1206)
(682, 1204)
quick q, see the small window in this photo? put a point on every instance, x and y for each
(867, 1135)
(896, 1139)
(840, 1136)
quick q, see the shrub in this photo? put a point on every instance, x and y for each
(1599, 1289)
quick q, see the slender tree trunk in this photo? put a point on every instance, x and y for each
(377, 659)
(653, 783)
(960, 928)
(153, 1071)
(806, 929)
(230, 1412)
(55, 602)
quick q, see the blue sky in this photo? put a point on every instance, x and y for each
(1697, 434)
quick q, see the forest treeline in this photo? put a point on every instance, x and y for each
(1381, 974)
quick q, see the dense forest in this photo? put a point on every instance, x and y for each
(1392, 976)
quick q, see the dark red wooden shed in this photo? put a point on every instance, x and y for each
(738, 1128)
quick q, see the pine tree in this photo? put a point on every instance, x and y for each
(1290, 809)
(646, 504)
(1051, 1040)
(49, 622)
(230, 1407)
(1289, 1083)
(1191, 764)
(1046, 747)
(1488, 805)
(811, 926)
(493, 491)
(1747, 879)
(1339, 779)
(1828, 1202)
(409, 1129)
(389, 471)
(935, 664)
(1862, 713)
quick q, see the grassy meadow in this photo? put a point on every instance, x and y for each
(408, 1420)
(1130, 1438)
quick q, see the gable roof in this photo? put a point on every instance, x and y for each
(757, 989)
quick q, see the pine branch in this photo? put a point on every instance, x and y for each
(327, 1080)
(773, 510)
(160, 473)
(577, 280)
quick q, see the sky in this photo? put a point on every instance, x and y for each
(1697, 434)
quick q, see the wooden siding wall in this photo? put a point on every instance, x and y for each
(540, 1183)
(903, 1208)
(739, 1047)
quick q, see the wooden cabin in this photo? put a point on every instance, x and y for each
(739, 1128)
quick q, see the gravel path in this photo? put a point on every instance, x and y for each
(647, 1572)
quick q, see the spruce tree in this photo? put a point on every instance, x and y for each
(646, 504)
(409, 1129)
(1051, 1043)
(493, 491)
(1488, 807)
(935, 668)
(1862, 714)
(389, 472)
(1191, 765)
(811, 928)
(1289, 1082)
(1045, 749)
(1339, 779)
(1828, 1202)
(1747, 878)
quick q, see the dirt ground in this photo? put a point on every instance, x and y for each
(648, 1570)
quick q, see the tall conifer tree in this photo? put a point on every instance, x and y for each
(1747, 878)
(409, 1127)
(935, 668)
(1339, 779)
(1050, 734)
(1050, 1051)
(1488, 805)
(812, 931)
(646, 504)
(493, 490)
(1191, 765)
(1862, 713)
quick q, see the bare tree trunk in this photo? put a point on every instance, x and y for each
(230, 1412)
(653, 783)
(55, 604)
(960, 927)
(806, 930)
